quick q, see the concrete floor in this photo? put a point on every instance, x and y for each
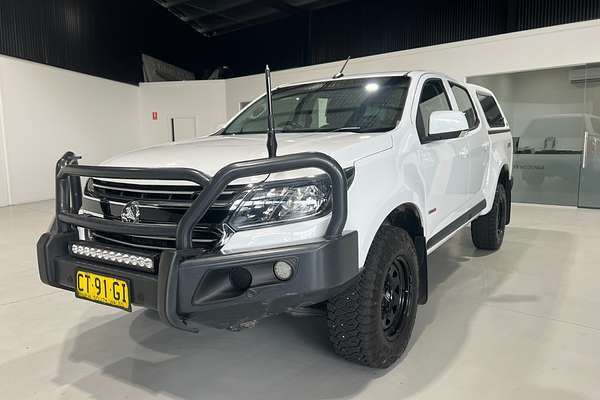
(521, 323)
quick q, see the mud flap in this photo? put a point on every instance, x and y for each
(421, 248)
(509, 200)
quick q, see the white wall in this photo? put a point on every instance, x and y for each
(202, 100)
(47, 111)
(562, 45)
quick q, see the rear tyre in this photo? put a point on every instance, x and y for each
(487, 231)
(371, 322)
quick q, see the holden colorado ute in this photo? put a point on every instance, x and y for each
(362, 177)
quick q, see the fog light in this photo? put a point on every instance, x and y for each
(282, 270)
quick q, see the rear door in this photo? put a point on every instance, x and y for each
(499, 136)
(477, 139)
(444, 159)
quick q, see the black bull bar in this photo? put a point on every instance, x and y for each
(69, 201)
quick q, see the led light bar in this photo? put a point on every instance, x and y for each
(110, 255)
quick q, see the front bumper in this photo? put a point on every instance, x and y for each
(191, 288)
(194, 285)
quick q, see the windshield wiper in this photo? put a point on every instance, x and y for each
(346, 129)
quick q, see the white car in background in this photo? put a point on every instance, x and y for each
(561, 136)
(372, 174)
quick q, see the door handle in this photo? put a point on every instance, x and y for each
(584, 157)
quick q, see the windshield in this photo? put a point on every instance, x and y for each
(358, 105)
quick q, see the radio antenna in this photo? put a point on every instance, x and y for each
(341, 73)
(271, 139)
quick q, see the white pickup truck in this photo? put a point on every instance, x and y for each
(372, 174)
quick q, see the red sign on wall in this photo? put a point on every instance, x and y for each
(154, 115)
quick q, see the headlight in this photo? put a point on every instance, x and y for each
(270, 204)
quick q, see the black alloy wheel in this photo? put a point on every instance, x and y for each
(396, 298)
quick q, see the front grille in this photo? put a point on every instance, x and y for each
(203, 238)
(176, 195)
(159, 204)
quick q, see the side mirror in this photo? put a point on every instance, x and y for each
(447, 121)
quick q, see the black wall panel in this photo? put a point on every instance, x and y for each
(106, 37)
(98, 37)
(360, 28)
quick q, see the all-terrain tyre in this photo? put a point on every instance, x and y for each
(371, 322)
(487, 231)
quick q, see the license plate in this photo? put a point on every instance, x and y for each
(102, 289)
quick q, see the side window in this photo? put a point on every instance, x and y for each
(491, 110)
(433, 98)
(465, 104)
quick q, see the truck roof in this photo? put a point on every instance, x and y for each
(478, 88)
(412, 74)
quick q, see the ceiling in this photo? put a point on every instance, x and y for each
(217, 17)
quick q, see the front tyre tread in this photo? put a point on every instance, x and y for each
(354, 316)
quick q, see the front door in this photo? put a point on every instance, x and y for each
(589, 178)
(445, 162)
